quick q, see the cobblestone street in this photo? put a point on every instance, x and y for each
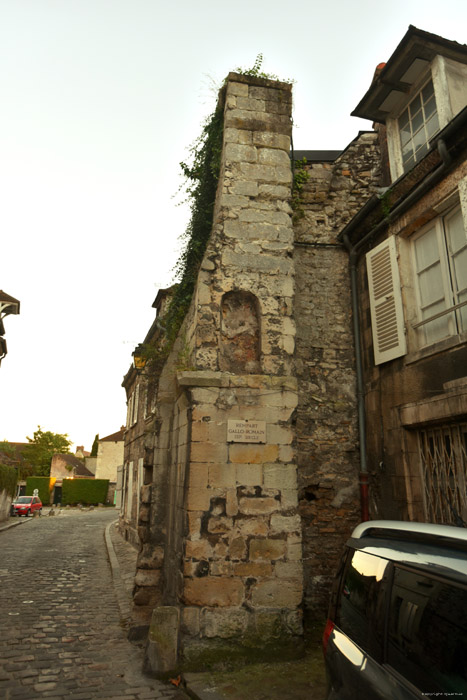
(62, 634)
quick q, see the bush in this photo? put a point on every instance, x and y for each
(86, 491)
(44, 484)
(8, 479)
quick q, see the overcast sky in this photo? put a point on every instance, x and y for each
(100, 100)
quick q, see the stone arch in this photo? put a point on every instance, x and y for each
(240, 344)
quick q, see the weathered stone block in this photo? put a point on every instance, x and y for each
(253, 526)
(252, 104)
(271, 156)
(285, 523)
(277, 593)
(237, 89)
(222, 475)
(249, 474)
(198, 475)
(231, 502)
(255, 569)
(162, 649)
(267, 549)
(280, 476)
(198, 549)
(289, 569)
(190, 621)
(151, 557)
(238, 136)
(147, 577)
(245, 187)
(212, 591)
(199, 499)
(240, 153)
(219, 525)
(271, 140)
(252, 453)
(258, 506)
(223, 623)
(208, 452)
(238, 549)
(147, 596)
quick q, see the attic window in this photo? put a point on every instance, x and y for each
(417, 125)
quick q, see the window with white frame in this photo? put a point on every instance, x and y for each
(417, 124)
(440, 271)
(436, 292)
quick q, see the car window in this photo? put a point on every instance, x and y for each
(361, 609)
(24, 499)
(427, 636)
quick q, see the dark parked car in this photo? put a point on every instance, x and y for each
(26, 505)
(397, 626)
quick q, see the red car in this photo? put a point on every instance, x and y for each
(26, 505)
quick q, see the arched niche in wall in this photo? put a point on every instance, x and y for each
(240, 333)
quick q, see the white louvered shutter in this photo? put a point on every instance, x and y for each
(387, 317)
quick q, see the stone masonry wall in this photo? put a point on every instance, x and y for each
(224, 511)
(327, 436)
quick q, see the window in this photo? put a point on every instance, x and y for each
(443, 458)
(387, 319)
(427, 636)
(440, 260)
(417, 124)
(360, 612)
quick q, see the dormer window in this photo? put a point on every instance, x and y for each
(417, 125)
(416, 94)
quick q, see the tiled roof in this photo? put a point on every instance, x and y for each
(115, 437)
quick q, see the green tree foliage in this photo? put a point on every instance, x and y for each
(43, 445)
(8, 478)
(95, 445)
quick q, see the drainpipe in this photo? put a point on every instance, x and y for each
(354, 251)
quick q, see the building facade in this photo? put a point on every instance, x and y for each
(319, 376)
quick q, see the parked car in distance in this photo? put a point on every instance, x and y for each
(26, 505)
(397, 624)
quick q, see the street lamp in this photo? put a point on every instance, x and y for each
(139, 358)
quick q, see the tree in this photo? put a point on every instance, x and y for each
(95, 446)
(43, 445)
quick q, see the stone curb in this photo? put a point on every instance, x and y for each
(18, 521)
(120, 592)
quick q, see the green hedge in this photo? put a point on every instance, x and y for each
(85, 491)
(44, 484)
(8, 479)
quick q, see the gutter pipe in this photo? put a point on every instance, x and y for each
(354, 251)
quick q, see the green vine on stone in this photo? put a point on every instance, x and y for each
(201, 177)
(300, 178)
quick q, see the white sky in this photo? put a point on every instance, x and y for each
(99, 101)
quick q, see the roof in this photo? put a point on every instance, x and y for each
(413, 54)
(78, 467)
(115, 437)
(316, 156)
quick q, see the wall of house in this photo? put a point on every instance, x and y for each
(59, 468)
(424, 388)
(326, 419)
(109, 457)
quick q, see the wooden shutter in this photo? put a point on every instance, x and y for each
(387, 318)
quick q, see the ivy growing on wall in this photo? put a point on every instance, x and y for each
(201, 177)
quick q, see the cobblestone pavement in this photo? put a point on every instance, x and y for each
(62, 635)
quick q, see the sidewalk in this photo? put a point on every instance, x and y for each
(292, 680)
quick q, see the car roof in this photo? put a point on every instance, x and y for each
(436, 549)
(406, 530)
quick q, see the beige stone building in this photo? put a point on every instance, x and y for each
(271, 429)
